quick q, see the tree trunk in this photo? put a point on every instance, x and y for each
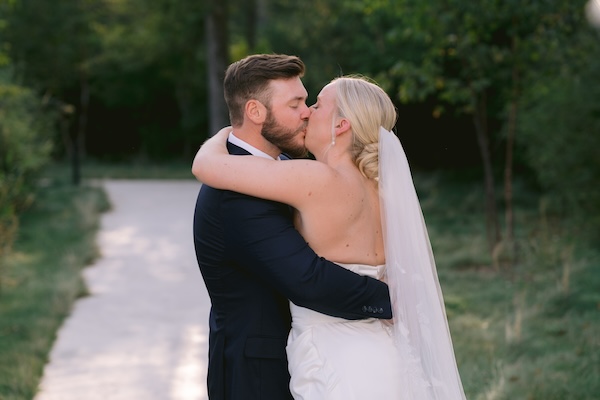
(262, 7)
(218, 59)
(256, 16)
(491, 214)
(508, 168)
(65, 132)
(251, 24)
(79, 134)
(184, 101)
(183, 94)
(510, 144)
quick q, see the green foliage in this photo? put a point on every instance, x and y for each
(4, 59)
(51, 42)
(335, 38)
(140, 62)
(151, 63)
(146, 60)
(56, 240)
(461, 52)
(560, 131)
(24, 148)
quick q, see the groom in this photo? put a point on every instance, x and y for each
(251, 257)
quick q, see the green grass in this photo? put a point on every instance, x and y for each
(41, 280)
(522, 331)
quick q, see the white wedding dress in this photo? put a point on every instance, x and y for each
(332, 358)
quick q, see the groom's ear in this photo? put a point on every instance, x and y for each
(256, 111)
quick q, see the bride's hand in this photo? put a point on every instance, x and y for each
(223, 134)
(214, 145)
(219, 138)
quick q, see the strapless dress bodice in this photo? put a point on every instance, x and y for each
(303, 318)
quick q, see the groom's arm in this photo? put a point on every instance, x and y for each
(262, 238)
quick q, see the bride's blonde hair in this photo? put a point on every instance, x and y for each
(367, 107)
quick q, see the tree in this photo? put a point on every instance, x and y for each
(217, 44)
(24, 149)
(560, 130)
(182, 28)
(475, 57)
(51, 45)
(327, 40)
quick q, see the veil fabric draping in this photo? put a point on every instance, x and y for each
(421, 333)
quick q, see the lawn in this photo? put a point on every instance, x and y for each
(41, 279)
(529, 329)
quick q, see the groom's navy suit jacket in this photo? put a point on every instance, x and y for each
(252, 261)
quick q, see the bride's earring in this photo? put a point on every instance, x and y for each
(333, 126)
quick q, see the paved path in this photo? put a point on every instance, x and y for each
(142, 333)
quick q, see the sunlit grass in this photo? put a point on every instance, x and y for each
(56, 239)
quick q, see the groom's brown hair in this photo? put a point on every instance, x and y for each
(249, 79)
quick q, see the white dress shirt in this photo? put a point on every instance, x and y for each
(248, 147)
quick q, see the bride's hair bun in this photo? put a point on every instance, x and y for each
(367, 107)
(367, 160)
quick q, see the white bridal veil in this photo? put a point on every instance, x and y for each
(420, 325)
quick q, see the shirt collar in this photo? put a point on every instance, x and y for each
(248, 147)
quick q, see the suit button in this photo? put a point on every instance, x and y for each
(380, 310)
(370, 309)
(364, 308)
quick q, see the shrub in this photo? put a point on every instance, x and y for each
(560, 131)
(25, 146)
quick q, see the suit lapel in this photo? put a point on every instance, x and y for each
(236, 150)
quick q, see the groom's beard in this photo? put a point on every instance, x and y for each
(284, 138)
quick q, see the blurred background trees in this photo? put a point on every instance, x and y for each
(496, 86)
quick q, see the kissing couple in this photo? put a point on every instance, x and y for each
(320, 272)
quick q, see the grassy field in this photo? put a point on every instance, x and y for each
(41, 279)
(525, 331)
(530, 330)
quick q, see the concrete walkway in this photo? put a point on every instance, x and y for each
(143, 331)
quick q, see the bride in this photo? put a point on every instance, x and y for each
(356, 205)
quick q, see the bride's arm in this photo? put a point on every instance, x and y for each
(214, 145)
(292, 182)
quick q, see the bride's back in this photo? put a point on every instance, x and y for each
(340, 218)
(342, 222)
